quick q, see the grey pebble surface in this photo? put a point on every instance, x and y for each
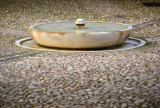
(42, 79)
(128, 78)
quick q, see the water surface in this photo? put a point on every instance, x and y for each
(69, 27)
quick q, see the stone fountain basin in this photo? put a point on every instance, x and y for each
(48, 35)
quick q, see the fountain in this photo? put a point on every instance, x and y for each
(80, 35)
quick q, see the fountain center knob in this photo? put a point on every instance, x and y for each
(80, 22)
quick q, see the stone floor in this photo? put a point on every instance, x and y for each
(118, 79)
(103, 79)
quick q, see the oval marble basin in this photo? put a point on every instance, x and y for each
(94, 34)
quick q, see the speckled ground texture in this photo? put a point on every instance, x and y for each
(120, 79)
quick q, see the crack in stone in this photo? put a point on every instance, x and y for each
(15, 56)
(145, 24)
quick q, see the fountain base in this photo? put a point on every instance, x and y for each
(130, 43)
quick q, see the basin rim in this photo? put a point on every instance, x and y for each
(129, 27)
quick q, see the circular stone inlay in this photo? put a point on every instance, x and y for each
(130, 43)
